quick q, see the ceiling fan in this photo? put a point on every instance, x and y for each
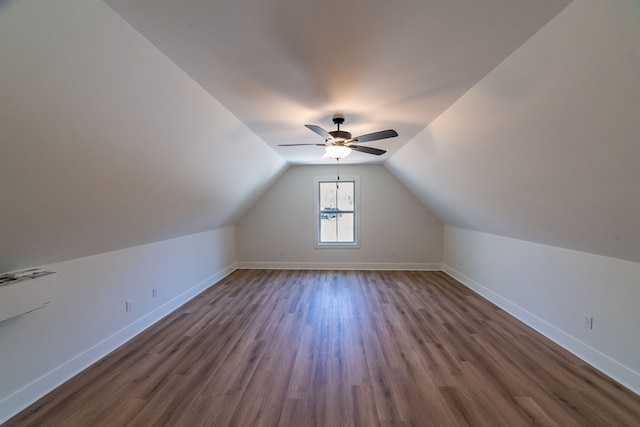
(338, 143)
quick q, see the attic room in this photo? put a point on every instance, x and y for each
(150, 160)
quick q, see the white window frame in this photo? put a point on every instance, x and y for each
(356, 211)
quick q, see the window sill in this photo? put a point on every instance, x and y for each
(337, 246)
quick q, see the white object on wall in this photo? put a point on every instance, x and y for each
(25, 291)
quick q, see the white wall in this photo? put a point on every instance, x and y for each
(545, 147)
(106, 143)
(279, 231)
(551, 289)
(87, 319)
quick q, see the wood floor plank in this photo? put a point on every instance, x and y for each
(337, 348)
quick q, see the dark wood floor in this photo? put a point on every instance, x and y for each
(327, 348)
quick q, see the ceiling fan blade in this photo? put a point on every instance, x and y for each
(317, 129)
(368, 150)
(383, 134)
(293, 145)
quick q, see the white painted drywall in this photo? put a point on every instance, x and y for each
(279, 231)
(545, 148)
(106, 144)
(551, 289)
(87, 320)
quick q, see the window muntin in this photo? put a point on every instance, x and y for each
(336, 218)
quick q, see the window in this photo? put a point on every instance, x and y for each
(336, 212)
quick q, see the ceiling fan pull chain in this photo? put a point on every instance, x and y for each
(337, 190)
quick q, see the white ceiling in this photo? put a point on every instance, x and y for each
(280, 64)
(131, 121)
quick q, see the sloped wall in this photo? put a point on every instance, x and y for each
(545, 147)
(106, 143)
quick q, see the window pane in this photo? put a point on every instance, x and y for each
(337, 228)
(327, 195)
(345, 196)
(337, 195)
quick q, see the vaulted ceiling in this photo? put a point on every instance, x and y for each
(280, 64)
(130, 121)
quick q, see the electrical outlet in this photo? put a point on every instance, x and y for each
(154, 292)
(127, 305)
(588, 322)
(393, 252)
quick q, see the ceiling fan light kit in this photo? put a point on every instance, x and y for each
(338, 143)
(336, 152)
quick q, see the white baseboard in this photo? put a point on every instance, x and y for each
(338, 266)
(611, 367)
(38, 388)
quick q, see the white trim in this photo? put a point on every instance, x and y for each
(17, 401)
(610, 367)
(404, 266)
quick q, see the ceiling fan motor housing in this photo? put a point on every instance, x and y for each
(340, 135)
